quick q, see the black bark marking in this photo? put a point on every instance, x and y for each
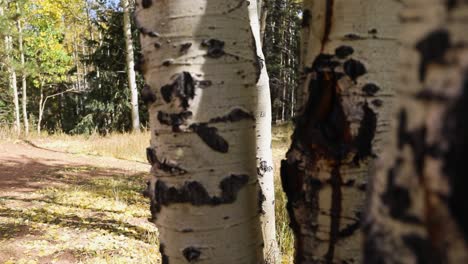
(428, 95)
(352, 36)
(349, 230)
(354, 69)
(146, 191)
(377, 102)
(210, 136)
(291, 182)
(451, 4)
(372, 31)
(191, 254)
(147, 95)
(366, 134)
(151, 156)
(195, 193)
(146, 3)
(163, 164)
(164, 257)
(370, 89)
(306, 17)
(261, 200)
(344, 51)
(324, 124)
(187, 230)
(397, 198)
(258, 62)
(335, 213)
(185, 47)
(139, 63)
(236, 114)
(157, 45)
(416, 139)
(174, 120)
(215, 48)
(432, 49)
(455, 129)
(238, 6)
(422, 249)
(168, 62)
(153, 34)
(328, 22)
(263, 168)
(182, 87)
(204, 84)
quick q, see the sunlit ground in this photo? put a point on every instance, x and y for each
(100, 218)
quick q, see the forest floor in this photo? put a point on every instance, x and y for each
(77, 199)
(57, 207)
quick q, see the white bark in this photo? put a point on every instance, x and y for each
(13, 82)
(265, 168)
(349, 48)
(130, 65)
(41, 110)
(12, 79)
(418, 196)
(201, 71)
(23, 77)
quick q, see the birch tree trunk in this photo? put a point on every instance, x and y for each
(418, 205)
(13, 81)
(23, 77)
(265, 170)
(130, 65)
(348, 49)
(201, 68)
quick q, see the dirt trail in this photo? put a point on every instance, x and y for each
(21, 161)
(58, 207)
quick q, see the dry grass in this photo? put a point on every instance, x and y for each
(131, 146)
(101, 219)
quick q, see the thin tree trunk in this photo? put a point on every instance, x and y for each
(264, 152)
(349, 55)
(418, 206)
(262, 16)
(131, 65)
(23, 77)
(201, 70)
(13, 82)
(41, 110)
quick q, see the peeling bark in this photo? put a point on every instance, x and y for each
(339, 129)
(417, 204)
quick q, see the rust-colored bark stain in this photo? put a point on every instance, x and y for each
(335, 213)
(328, 22)
(322, 133)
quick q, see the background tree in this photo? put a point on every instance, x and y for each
(348, 69)
(281, 36)
(127, 30)
(9, 62)
(417, 204)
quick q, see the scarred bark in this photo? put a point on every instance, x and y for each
(417, 204)
(347, 63)
(201, 68)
